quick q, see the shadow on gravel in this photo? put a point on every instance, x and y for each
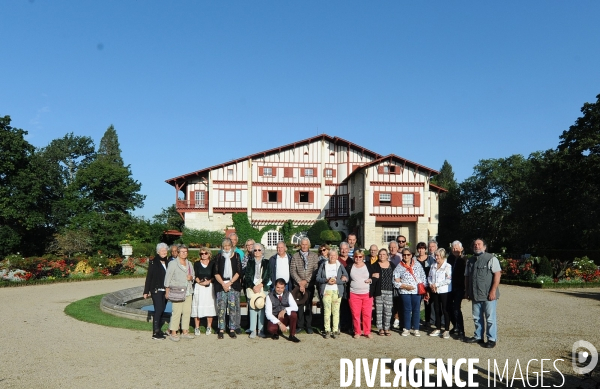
(581, 294)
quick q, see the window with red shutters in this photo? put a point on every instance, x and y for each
(271, 196)
(376, 199)
(267, 171)
(304, 196)
(417, 200)
(396, 200)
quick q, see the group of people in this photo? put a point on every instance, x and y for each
(350, 283)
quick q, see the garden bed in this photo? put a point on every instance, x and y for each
(551, 285)
(10, 284)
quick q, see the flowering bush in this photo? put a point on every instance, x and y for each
(518, 269)
(19, 269)
(83, 268)
(15, 275)
(579, 271)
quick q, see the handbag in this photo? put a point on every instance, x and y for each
(177, 294)
(420, 286)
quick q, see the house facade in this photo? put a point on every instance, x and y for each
(322, 177)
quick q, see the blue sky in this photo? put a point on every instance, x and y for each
(189, 84)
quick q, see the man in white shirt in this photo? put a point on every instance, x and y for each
(279, 266)
(281, 311)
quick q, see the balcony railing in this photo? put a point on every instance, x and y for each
(191, 204)
(336, 212)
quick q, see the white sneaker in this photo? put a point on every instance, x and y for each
(416, 333)
(396, 323)
(197, 331)
(404, 332)
(446, 335)
(208, 331)
(435, 333)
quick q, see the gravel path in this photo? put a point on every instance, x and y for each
(44, 348)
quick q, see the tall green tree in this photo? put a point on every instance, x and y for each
(169, 218)
(109, 148)
(18, 208)
(489, 199)
(63, 158)
(578, 162)
(69, 153)
(449, 209)
(107, 194)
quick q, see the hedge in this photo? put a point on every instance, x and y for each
(551, 285)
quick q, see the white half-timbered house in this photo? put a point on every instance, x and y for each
(322, 177)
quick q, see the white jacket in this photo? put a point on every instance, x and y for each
(441, 278)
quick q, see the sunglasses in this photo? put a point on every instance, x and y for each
(323, 250)
(357, 257)
(401, 241)
(406, 255)
(203, 253)
(255, 250)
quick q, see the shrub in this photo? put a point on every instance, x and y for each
(584, 264)
(331, 236)
(544, 280)
(199, 238)
(144, 249)
(70, 242)
(544, 267)
(314, 232)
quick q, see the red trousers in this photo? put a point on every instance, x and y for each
(361, 305)
(290, 321)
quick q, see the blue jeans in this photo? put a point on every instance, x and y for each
(485, 311)
(412, 306)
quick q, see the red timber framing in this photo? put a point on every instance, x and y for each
(395, 198)
(324, 181)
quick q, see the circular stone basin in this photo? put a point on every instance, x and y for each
(130, 304)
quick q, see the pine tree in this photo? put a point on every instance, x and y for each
(109, 146)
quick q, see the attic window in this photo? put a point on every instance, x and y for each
(389, 169)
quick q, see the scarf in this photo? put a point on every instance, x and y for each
(409, 268)
(257, 269)
(305, 258)
(227, 271)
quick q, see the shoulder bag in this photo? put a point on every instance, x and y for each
(177, 294)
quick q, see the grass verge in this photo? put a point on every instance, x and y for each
(88, 310)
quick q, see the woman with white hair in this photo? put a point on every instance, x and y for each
(256, 279)
(155, 287)
(440, 284)
(228, 273)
